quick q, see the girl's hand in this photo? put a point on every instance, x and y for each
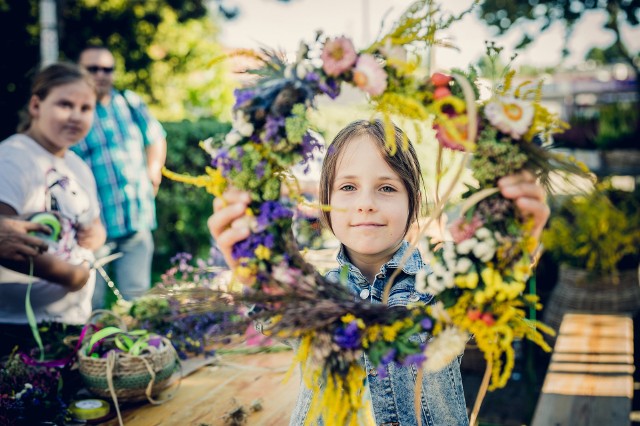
(228, 224)
(529, 196)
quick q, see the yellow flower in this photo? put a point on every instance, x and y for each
(467, 280)
(348, 318)
(262, 252)
(491, 277)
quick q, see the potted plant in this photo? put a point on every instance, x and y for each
(595, 237)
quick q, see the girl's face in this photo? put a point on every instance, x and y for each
(63, 117)
(369, 203)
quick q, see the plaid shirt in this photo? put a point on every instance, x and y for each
(115, 151)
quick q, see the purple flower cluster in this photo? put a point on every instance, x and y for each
(271, 212)
(307, 147)
(223, 162)
(242, 97)
(273, 127)
(246, 248)
(348, 337)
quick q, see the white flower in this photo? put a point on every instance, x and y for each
(232, 138)
(510, 115)
(242, 124)
(208, 147)
(483, 233)
(438, 268)
(421, 281)
(463, 265)
(484, 250)
(303, 69)
(466, 246)
(449, 255)
(444, 348)
(435, 285)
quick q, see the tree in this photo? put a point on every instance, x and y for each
(130, 29)
(503, 14)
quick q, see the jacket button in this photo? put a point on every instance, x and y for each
(414, 297)
(364, 293)
(373, 372)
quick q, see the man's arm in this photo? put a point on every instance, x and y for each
(156, 156)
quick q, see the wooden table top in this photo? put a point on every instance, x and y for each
(211, 392)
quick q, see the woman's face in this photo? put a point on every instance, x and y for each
(63, 117)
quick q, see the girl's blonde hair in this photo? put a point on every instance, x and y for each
(404, 163)
(49, 78)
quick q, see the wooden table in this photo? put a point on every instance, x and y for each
(213, 391)
(590, 377)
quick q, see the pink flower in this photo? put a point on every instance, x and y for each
(338, 56)
(461, 229)
(369, 76)
(446, 139)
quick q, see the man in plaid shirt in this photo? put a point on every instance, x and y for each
(126, 150)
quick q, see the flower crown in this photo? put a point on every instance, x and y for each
(478, 279)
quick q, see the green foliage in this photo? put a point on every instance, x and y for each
(165, 50)
(183, 210)
(599, 231)
(617, 124)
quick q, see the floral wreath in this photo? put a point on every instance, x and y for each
(478, 280)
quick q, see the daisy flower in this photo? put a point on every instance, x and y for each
(510, 115)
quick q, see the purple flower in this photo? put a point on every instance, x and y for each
(426, 323)
(223, 162)
(414, 359)
(330, 87)
(272, 128)
(260, 169)
(242, 97)
(385, 361)
(270, 212)
(246, 248)
(307, 148)
(348, 337)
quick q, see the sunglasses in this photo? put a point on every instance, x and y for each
(93, 69)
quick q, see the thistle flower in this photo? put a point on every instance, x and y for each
(338, 55)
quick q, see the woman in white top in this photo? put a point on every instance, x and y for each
(38, 173)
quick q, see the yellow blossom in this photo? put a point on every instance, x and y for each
(467, 280)
(262, 252)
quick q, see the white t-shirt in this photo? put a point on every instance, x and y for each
(34, 180)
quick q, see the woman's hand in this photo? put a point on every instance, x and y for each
(529, 196)
(228, 224)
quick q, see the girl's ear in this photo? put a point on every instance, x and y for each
(34, 106)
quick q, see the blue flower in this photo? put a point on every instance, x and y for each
(348, 337)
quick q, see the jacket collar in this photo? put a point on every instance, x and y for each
(412, 265)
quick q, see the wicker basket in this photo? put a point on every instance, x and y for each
(133, 378)
(579, 291)
(125, 377)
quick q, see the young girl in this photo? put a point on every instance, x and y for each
(375, 197)
(38, 173)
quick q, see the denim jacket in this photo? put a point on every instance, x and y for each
(392, 398)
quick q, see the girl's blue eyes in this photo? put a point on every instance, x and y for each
(349, 188)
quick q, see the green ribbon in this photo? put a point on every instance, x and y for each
(132, 342)
(31, 317)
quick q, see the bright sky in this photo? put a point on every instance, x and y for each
(283, 25)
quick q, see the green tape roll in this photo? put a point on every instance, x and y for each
(49, 220)
(89, 409)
